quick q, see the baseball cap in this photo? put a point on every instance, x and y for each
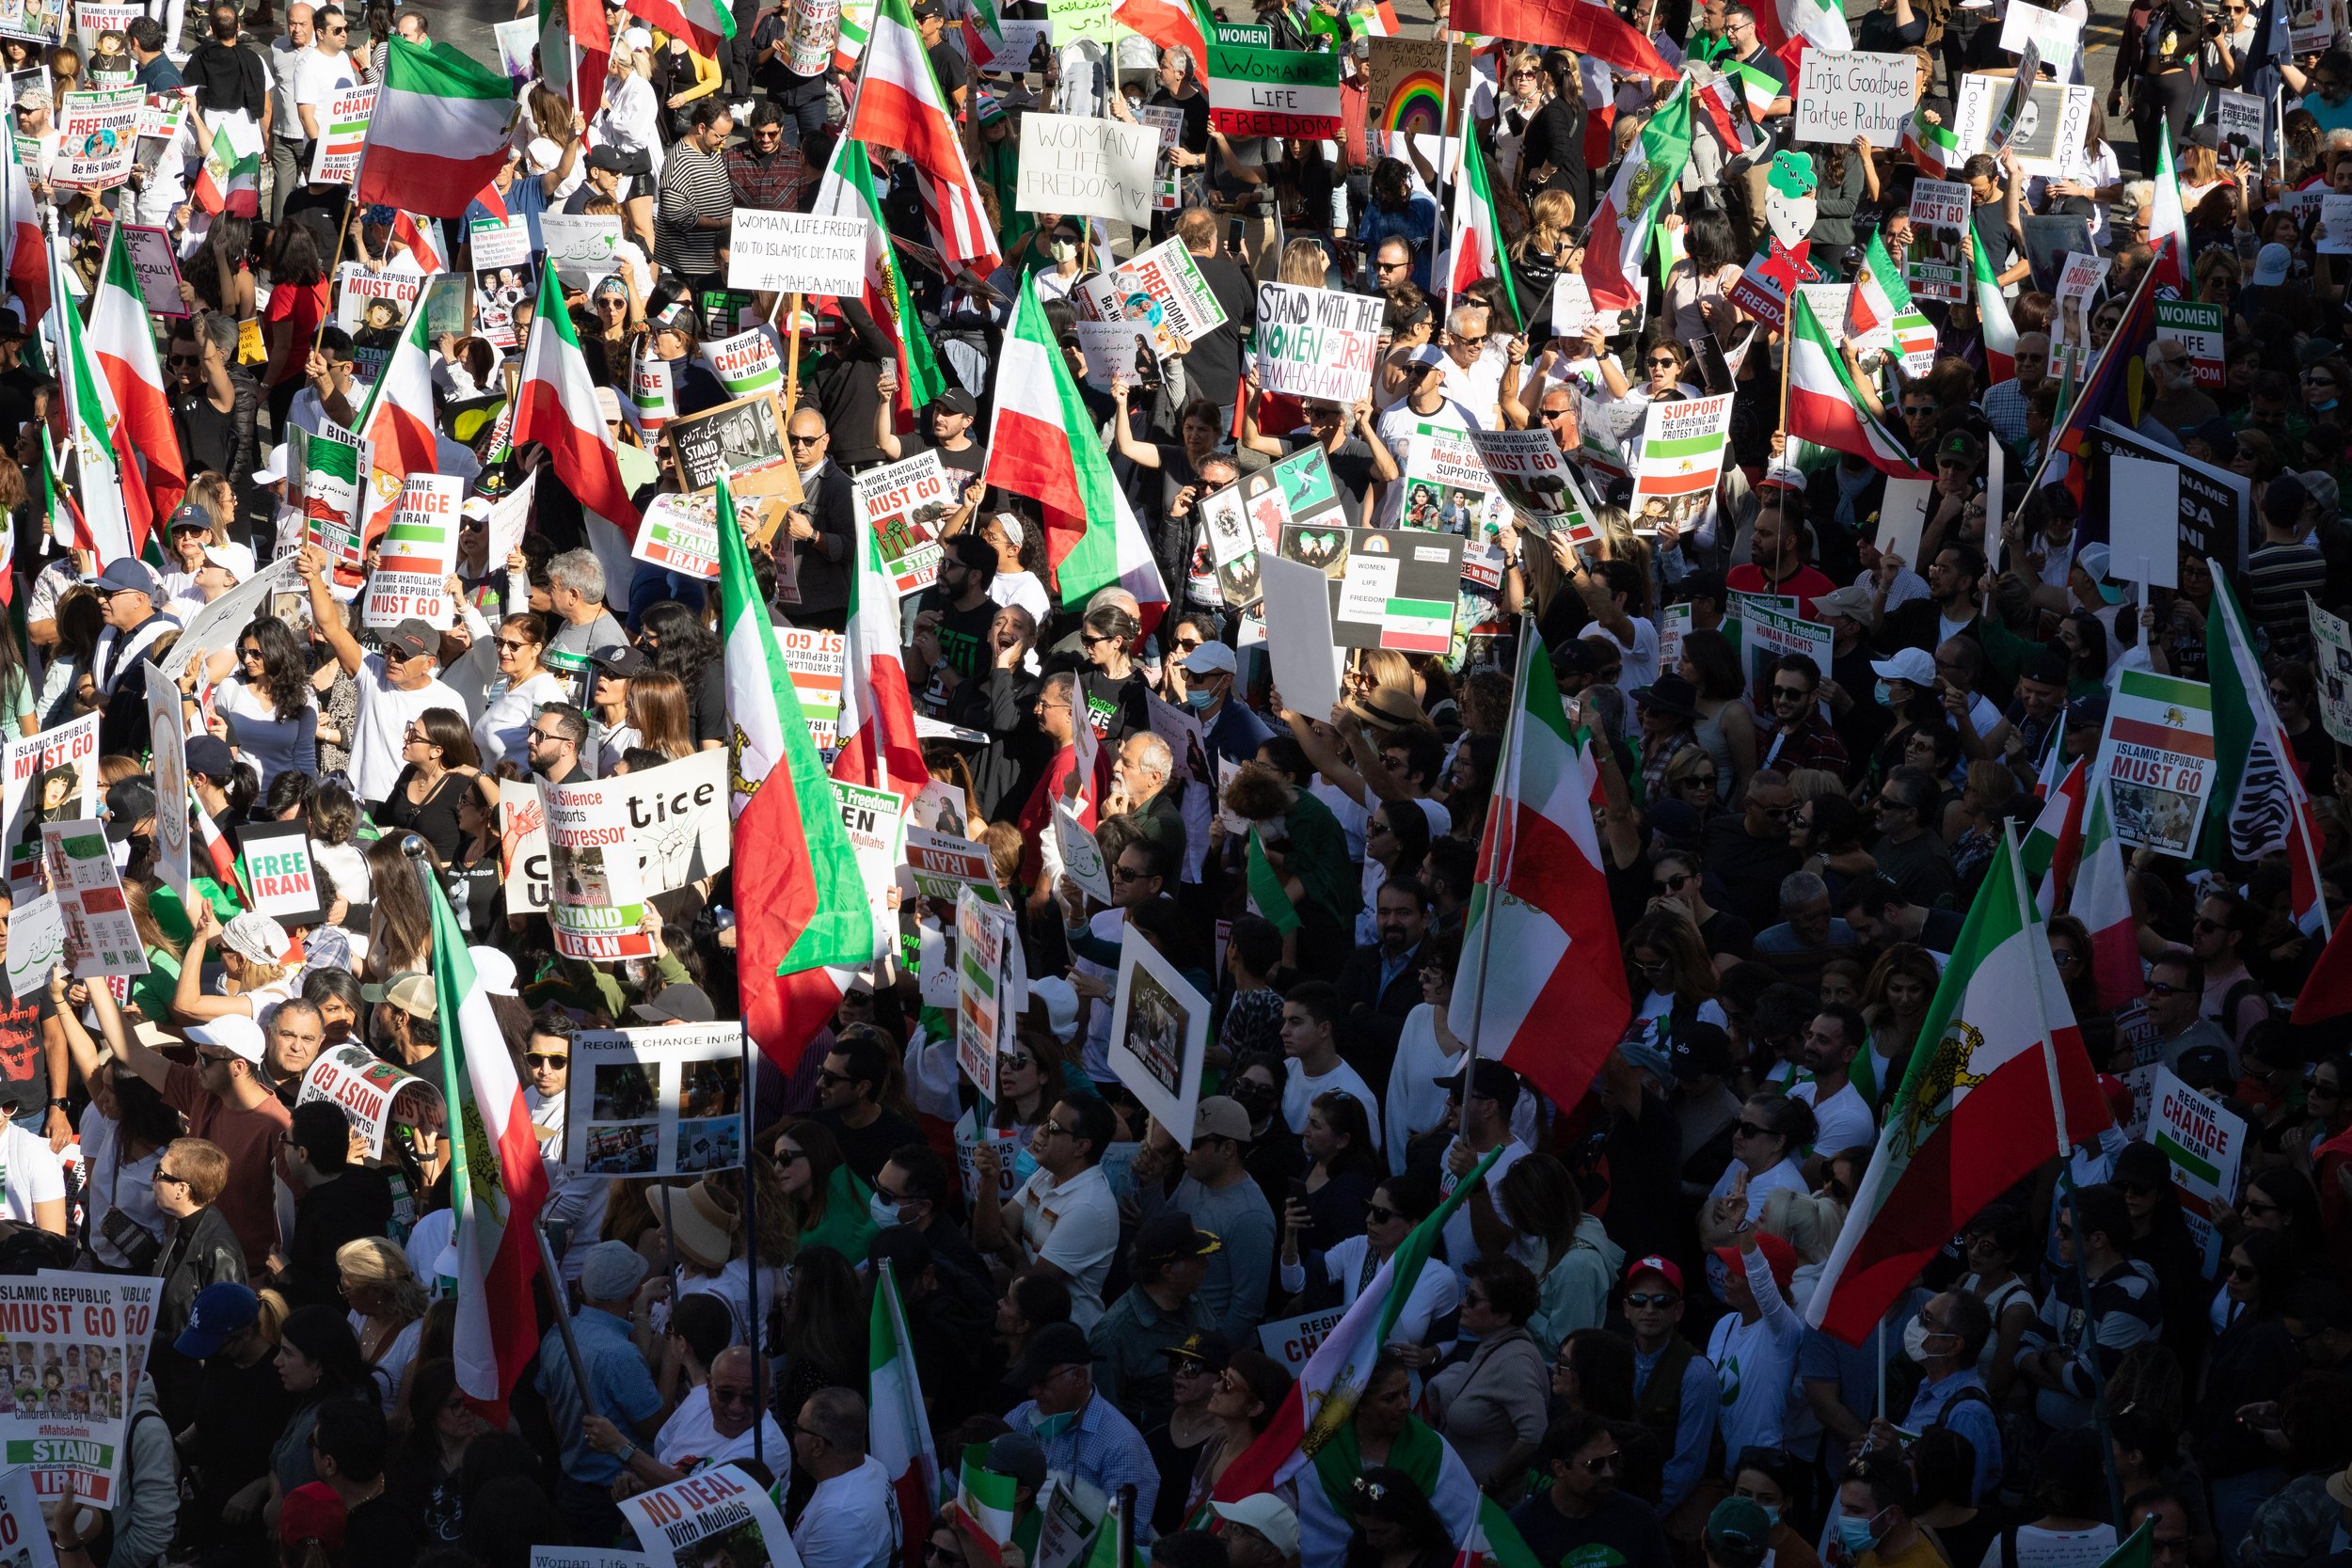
(1221, 1117)
(1491, 1080)
(609, 404)
(681, 1003)
(409, 991)
(312, 1512)
(1699, 1051)
(1851, 602)
(32, 98)
(129, 802)
(1428, 357)
(255, 938)
(2270, 266)
(542, 154)
(1061, 1004)
(621, 660)
(612, 1270)
(1016, 1454)
(411, 639)
(1266, 1513)
(1204, 1345)
(493, 970)
(209, 755)
(220, 1310)
(273, 470)
(1778, 1255)
(1736, 1534)
(1210, 658)
(1782, 478)
(1652, 1263)
(957, 401)
(190, 515)
(2087, 710)
(1915, 665)
(125, 575)
(607, 159)
(231, 1031)
(236, 559)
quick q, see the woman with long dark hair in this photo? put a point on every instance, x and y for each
(824, 1200)
(501, 735)
(318, 1359)
(424, 1473)
(270, 715)
(678, 644)
(440, 765)
(299, 305)
(824, 1328)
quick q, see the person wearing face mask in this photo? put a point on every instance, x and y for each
(1230, 731)
(1945, 1338)
(1768, 1478)
(1874, 1523)
(910, 1192)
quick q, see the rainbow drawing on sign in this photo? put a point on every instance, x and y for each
(1418, 104)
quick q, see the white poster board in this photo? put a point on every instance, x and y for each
(1840, 97)
(2143, 521)
(658, 1102)
(796, 253)
(1297, 600)
(1102, 169)
(1159, 1036)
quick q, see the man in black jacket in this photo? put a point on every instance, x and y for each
(228, 73)
(335, 1202)
(1003, 701)
(1381, 982)
(824, 533)
(1214, 363)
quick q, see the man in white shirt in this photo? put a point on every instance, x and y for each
(852, 1520)
(1842, 1116)
(1063, 1220)
(1314, 1064)
(287, 140)
(1478, 1227)
(322, 71)
(395, 686)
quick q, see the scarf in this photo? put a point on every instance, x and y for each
(1419, 1452)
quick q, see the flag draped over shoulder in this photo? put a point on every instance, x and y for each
(497, 1181)
(439, 131)
(1999, 1084)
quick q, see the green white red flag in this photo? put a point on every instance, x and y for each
(123, 345)
(848, 192)
(1477, 248)
(897, 1428)
(2259, 802)
(1823, 406)
(555, 404)
(899, 104)
(439, 131)
(1621, 224)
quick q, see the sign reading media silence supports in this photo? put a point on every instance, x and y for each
(1318, 342)
(794, 253)
(1840, 97)
(1099, 167)
(1275, 93)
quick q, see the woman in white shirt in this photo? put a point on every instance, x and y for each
(2091, 172)
(502, 734)
(387, 1309)
(630, 124)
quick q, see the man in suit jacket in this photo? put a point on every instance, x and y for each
(1380, 983)
(824, 537)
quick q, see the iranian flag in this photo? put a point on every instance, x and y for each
(1093, 539)
(556, 407)
(496, 1183)
(2165, 221)
(123, 346)
(2000, 1085)
(802, 917)
(2257, 803)
(439, 132)
(848, 192)
(1172, 24)
(1586, 26)
(28, 244)
(1757, 89)
(2327, 991)
(897, 1428)
(1477, 240)
(2102, 902)
(878, 746)
(1494, 1541)
(1933, 146)
(986, 1500)
(410, 233)
(2054, 845)
(219, 855)
(1542, 984)
(899, 104)
(1333, 1378)
(1789, 28)
(708, 26)
(1823, 406)
(397, 418)
(1269, 894)
(1621, 226)
(231, 180)
(1878, 296)
(2000, 333)
(105, 520)
(576, 44)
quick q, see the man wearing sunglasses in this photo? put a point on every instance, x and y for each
(824, 533)
(705, 1432)
(214, 402)
(1676, 1387)
(1581, 1516)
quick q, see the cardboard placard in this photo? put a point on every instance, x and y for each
(98, 136)
(794, 253)
(1409, 89)
(1104, 168)
(2331, 639)
(718, 1514)
(78, 1345)
(2215, 503)
(583, 248)
(282, 872)
(158, 266)
(1680, 460)
(65, 758)
(342, 133)
(1292, 1340)
(169, 763)
(1840, 97)
(903, 502)
(2143, 543)
(2156, 755)
(659, 1102)
(732, 438)
(1161, 295)
(2198, 328)
(416, 554)
(1159, 1038)
(990, 985)
(944, 863)
(37, 942)
(674, 817)
(2204, 1141)
(100, 936)
(370, 1091)
(1318, 342)
(1305, 658)
(680, 533)
(876, 822)
(1935, 266)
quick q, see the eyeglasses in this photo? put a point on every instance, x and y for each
(1697, 781)
(1793, 694)
(741, 1398)
(787, 1156)
(2203, 924)
(1393, 266)
(538, 733)
(2065, 1231)
(1674, 882)
(160, 1176)
(513, 644)
(547, 1058)
(1375, 1213)
(179, 358)
(827, 1077)
(2243, 1271)
(1641, 1300)
(1661, 362)
(1056, 1129)
(1127, 874)
(806, 441)
(2157, 988)
(1464, 340)
(249, 651)
(1601, 1465)
(2066, 960)
(1750, 1129)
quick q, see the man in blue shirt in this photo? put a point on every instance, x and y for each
(620, 1388)
(1083, 1437)
(1945, 1338)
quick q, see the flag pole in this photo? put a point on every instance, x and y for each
(2058, 426)
(750, 1241)
(1445, 117)
(1495, 874)
(1441, 229)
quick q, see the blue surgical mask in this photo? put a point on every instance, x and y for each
(1855, 1535)
(1879, 694)
(1198, 697)
(883, 1213)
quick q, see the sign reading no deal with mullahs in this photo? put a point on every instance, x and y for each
(1099, 167)
(1840, 97)
(794, 253)
(1318, 342)
(1274, 92)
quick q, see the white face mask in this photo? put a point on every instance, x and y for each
(1065, 251)
(1916, 1337)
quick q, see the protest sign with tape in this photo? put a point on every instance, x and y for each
(1318, 342)
(662, 1102)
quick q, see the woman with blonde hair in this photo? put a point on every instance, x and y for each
(1304, 263)
(387, 1308)
(658, 712)
(630, 124)
(1809, 1224)
(1541, 254)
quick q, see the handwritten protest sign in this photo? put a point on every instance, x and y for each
(1099, 168)
(794, 253)
(1840, 97)
(1318, 342)
(1274, 92)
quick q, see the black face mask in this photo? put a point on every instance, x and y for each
(1256, 1099)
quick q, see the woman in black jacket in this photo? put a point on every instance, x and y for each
(1551, 148)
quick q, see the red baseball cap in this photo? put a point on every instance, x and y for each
(1779, 1254)
(1657, 1265)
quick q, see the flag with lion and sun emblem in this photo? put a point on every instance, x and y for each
(1622, 223)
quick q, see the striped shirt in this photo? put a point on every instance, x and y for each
(694, 186)
(2125, 1312)
(2277, 576)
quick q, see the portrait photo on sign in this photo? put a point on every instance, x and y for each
(1159, 1036)
(622, 1091)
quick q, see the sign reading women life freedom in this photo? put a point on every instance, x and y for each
(1099, 168)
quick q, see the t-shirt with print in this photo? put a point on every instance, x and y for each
(24, 1064)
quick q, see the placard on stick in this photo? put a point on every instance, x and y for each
(1159, 1036)
(1840, 97)
(2143, 530)
(796, 253)
(666, 1102)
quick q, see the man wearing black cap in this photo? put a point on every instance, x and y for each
(1083, 1437)
(953, 617)
(395, 686)
(606, 167)
(130, 598)
(952, 414)
(1160, 1311)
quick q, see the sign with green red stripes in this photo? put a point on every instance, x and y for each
(2156, 759)
(415, 554)
(1398, 590)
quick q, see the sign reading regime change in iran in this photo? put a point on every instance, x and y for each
(1275, 93)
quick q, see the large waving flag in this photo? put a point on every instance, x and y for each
(439, 131)
(848, 192)
(899, 104)
(27, 242)
(1544, 992)
(1823, 406)
(1091, 536)
(2102, 901)
(1586, 26)
(123, 346)
(2258, 800)
(2001, 332)
(878, 746)
(2165, 221)
(497, 1184)
(556, 407)
(1789, 28)
(576, 46)
(105, 520)
(1477, 246)
(800, 907)
(397, 418)
(1878, 296)
(1622, 223)
(707, 25)
(897, 1428)
(1172, 24)
(2000, 1085)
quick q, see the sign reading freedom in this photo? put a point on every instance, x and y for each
(1274, 92)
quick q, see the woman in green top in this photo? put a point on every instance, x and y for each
(823, 1197)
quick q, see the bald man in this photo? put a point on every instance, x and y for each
(822, 531)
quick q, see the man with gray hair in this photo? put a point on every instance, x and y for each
(575, 592)
(620, 1386)
(852, 1520)
(1140, 791)
(1808, 936)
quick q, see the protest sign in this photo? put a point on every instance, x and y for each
(1447, 488)
(595, 881)
(1081, 853)
(75, 1345)
(1680, 460)
(581, 247)
(2079, 280)
(2204, 1140)
(2214, 502)
(328, 462)
(1840, 97)
(283, 873)
(517, 41)
(716, 1514)
(415, 555)
(2334, 232)
(815, 660)
(1102, 169)
(1022, 45)
(158, 266)
(100, 937)
(371, 1091)
(2156, 754)
(1234, 544)
(374, 308)
(218, 624)
(36, 942)
(651, 402)
(727, 438)
(1072, 1512)
(664, 1102)
(1535, 478)
(1070, 20)
(2310, 25)
(169, 761)
(1398, 590)
(877, 830)
(2198, 328)
(342, 133)
(794, 253)
(2050, 238)
(1292, 1340)
(2239, 114)
(1318, 342)
(680, 533)
(1305, 660)
(23, 1527)
(63, 759)
(1159, 1036)
(2331, 639)
(1274, 92)
(1935, 266)
(588, 1557)
(2057, 38)
(2050, 119)
(1903, 518)
(675, 818)
(903, 504)
(2143, 497)
(746, 363)
(98, 134)
(944, 863)
(988, 987)
(1572, 306)
(1161, 295)
(1767, 634)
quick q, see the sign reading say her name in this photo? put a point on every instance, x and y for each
(1840, 97)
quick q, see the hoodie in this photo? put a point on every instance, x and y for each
(1576, 1289)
